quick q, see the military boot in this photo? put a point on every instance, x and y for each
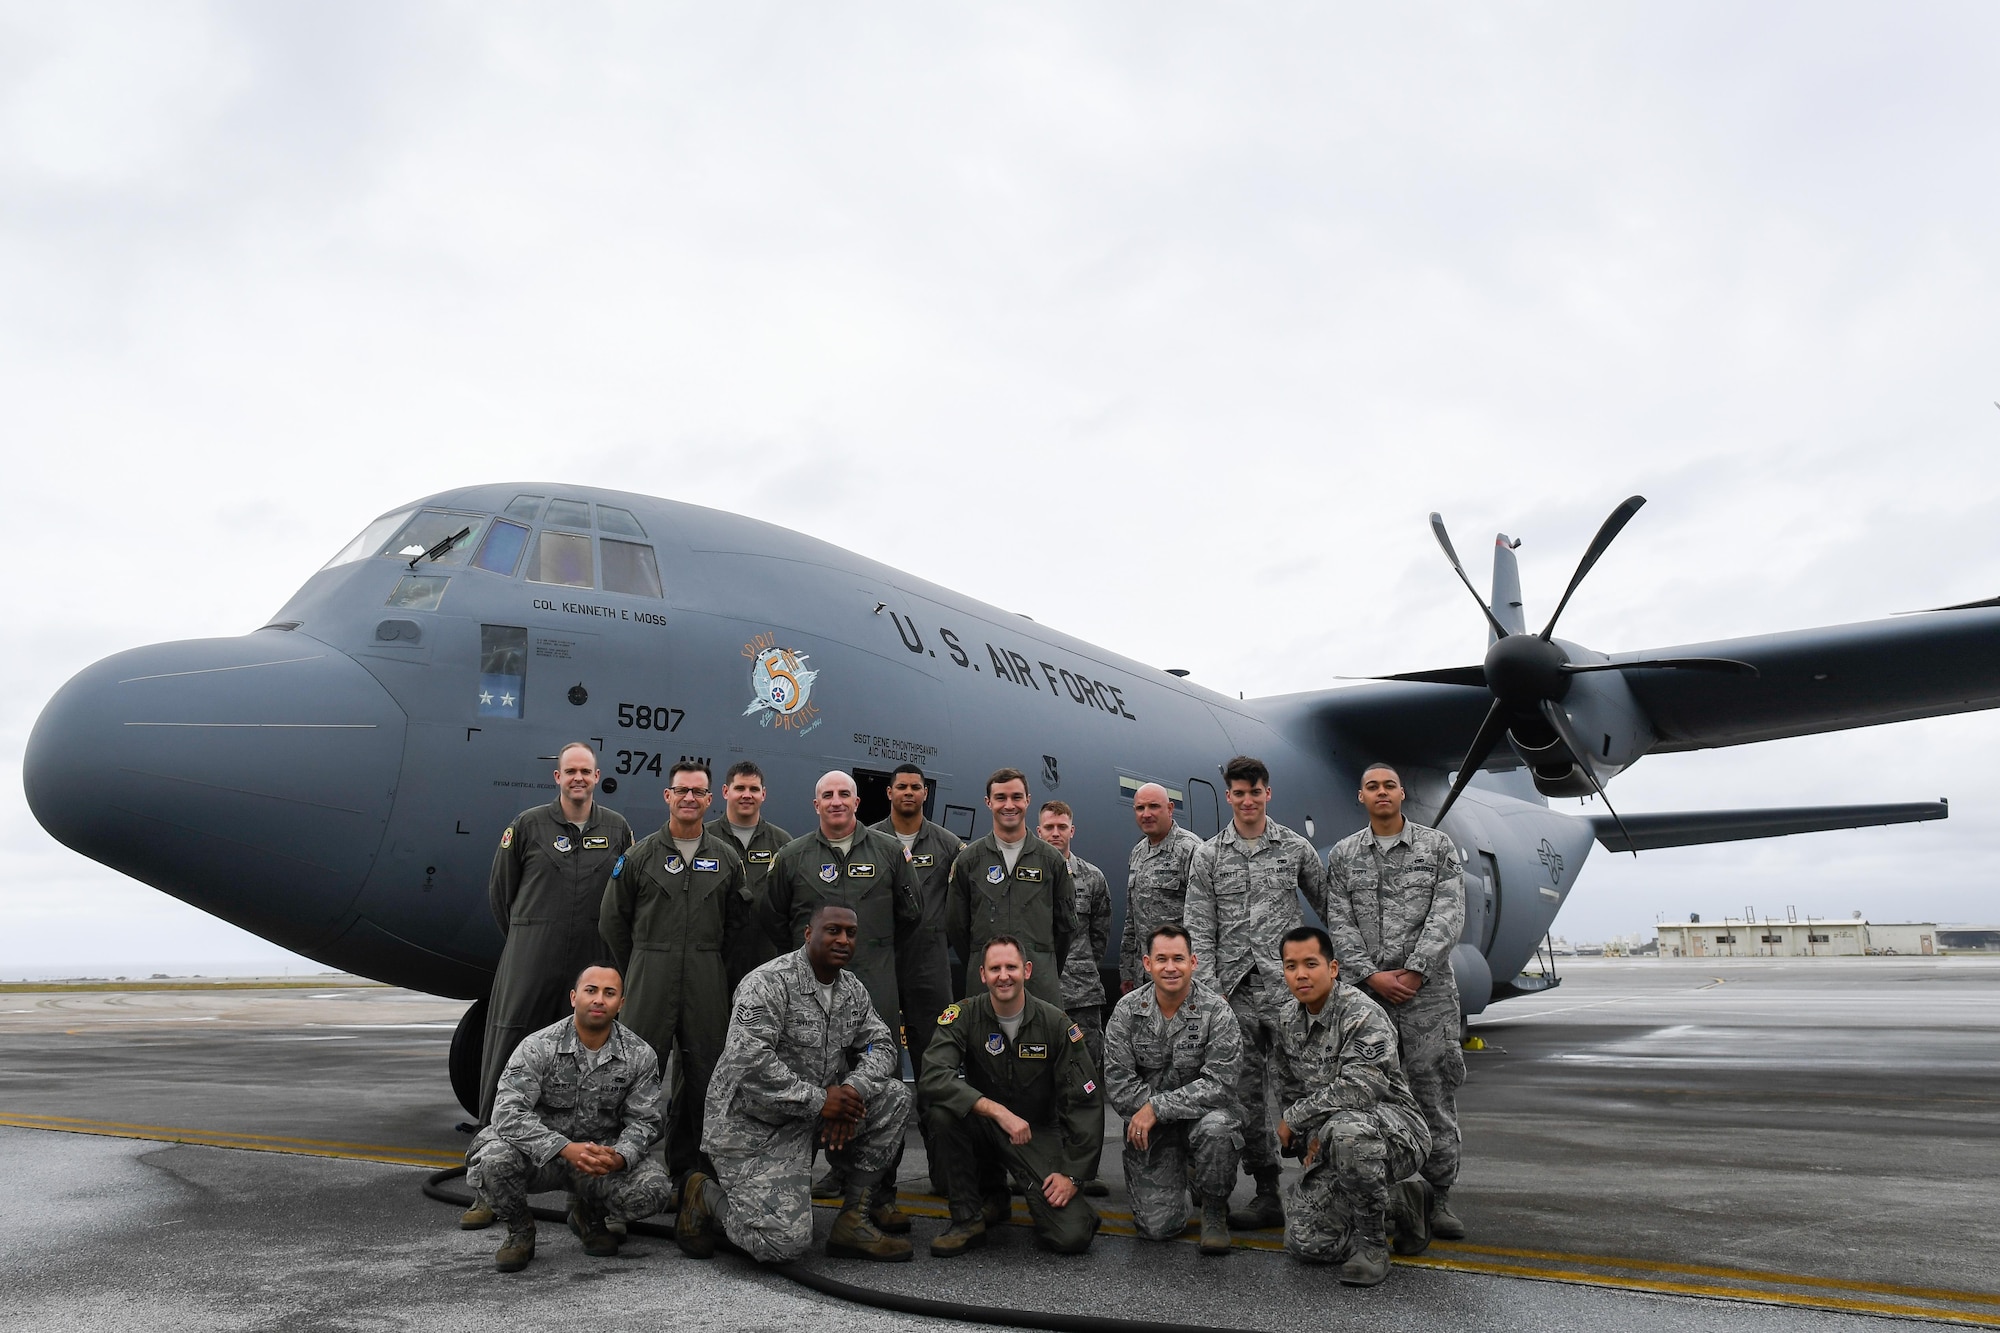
(478, 1217)
(513, 1256)
(588, 1225)
(855, 1237)
(831, 1187)
(959, 1237)
(696, 1224)
(1265, 1209)
(1215, 1226)
(884, 1213)
(996, 1210)
(1367, 1266)
(1410, 1216)
(1444, 1222)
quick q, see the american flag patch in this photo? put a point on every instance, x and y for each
(1075, 1032)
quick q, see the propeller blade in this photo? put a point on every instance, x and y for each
(1471, 675)
(1961, 606)
(1437, 530)
(1598, 545)
(1490, 732)
(1579, 752)
(1727, 665)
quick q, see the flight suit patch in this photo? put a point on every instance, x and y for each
(758, 858)
(1034, 1050)
(994, 874)
(995, 1043)
(949, 1016)
(561, 844)
(1032, 874)
(1090, 1085)
(1075, 1032)
(861, 870)
(704, 863)
(924, 861)
(597, 843)
(829, 872)
(507, 838)
(674, 863)
(618, 868)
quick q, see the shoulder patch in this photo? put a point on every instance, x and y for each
(617, 867)
(1075, 1033)
(949, 1016)
(507, 838)
(1371, 1048)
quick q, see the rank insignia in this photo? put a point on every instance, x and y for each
(704, 863)
(1075, 1032)
(597, 843)
(507, 838)
(994, 874)
(674, 864)
(995, 1043)
(949, 1016)
(1371, 1049)
(561, 844)
(829, 872)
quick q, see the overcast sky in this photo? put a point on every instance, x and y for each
(1202, 309)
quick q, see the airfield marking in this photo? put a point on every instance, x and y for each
(206, 1138)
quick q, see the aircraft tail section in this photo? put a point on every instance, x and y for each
(1690, 828)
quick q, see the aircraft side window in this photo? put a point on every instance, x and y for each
(524, 507)
(503, 670)
(371, 539)
(561, 557)
(501, 551)
(418, 592)
(629, 568)
(619, 521)
(432, 526)
(568, 514)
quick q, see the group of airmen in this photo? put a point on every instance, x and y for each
(787, 975)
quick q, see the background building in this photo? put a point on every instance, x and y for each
(1743, 937)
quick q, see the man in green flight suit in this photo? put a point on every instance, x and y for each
(674, 905)
(1010, 882)
(757, 841)
(1007, 1088)
(546, 888)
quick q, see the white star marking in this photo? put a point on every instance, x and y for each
(485, 697)
(506, 701)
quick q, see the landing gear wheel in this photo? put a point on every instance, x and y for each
(468, 1046)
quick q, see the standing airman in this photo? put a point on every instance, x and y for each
(1010, 882)
(757, 841)
(1156, 877)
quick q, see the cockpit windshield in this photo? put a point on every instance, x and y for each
(370, 540)
(431, 526)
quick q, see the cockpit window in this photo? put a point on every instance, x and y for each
(561, 558)
(370, 540)
(619, 521)
(630, 568)
(432, 526)
(501, 552)
(568, 514)
(524, 507)
(418, 592)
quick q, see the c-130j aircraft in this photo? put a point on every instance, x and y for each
(336, 780)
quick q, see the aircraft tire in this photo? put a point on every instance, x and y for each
(468, 1045)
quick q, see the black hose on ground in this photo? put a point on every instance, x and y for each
(1004, 1316)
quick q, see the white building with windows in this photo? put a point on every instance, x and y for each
(1814, 937)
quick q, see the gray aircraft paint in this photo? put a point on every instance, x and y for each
(329, 782)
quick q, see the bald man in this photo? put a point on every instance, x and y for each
(1156, 877)
(845, 863)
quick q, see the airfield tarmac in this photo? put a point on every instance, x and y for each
(1655, 1144)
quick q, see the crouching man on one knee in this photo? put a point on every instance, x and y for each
(807, 1062)
(1350, 1118)
(577, 1109)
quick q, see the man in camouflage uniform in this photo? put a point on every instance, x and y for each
(757, 841)
(1156, 877)
(807, 1062)
(1349, 1117)
(1010, 882)
(675, 904)
(1171, 1058)
(1398, 908)
(546, 888)
(1243, 895)
(1082, 982)
(1009, 1091)
(577, 1109)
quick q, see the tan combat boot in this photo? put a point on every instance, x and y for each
(513, 1256)
(695, 1224)
(478, 1217)
(1410, 1216)
(884, 1213)
(1367, 1266)
(957, 1238)
(588, 1225)
(855, 1237)
(1444, 1222)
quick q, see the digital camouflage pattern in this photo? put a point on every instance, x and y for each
(871, 877)
(1243, 895)
(783, 1052)
(1340, 1085)
(1156, 880)
(546, 888)
(1188, 1068)
(550, 1096)
(1406, 909)
(1082, 982)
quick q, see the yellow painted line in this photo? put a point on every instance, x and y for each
(359, 1152)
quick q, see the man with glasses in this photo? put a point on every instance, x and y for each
(675, 904)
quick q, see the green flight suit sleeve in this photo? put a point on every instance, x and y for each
(1081, 1103)
(503, 884)
(908, 903)
(620, 906)
(778, 901)
(737, 906)
(958, 911)
(944, 1060)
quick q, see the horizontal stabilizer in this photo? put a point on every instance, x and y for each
(1689, 828)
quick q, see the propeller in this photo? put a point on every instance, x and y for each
(1529, 674)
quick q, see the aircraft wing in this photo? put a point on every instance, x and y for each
(1830, 679)
(1650, 831)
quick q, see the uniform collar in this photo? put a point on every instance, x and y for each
(1270, 837)
(855, 839)
(596, 815)
(570, 1044)
(1402, 836)
(804, 980)
(1165, 844)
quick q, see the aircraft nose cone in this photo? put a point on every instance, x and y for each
(251, 777)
